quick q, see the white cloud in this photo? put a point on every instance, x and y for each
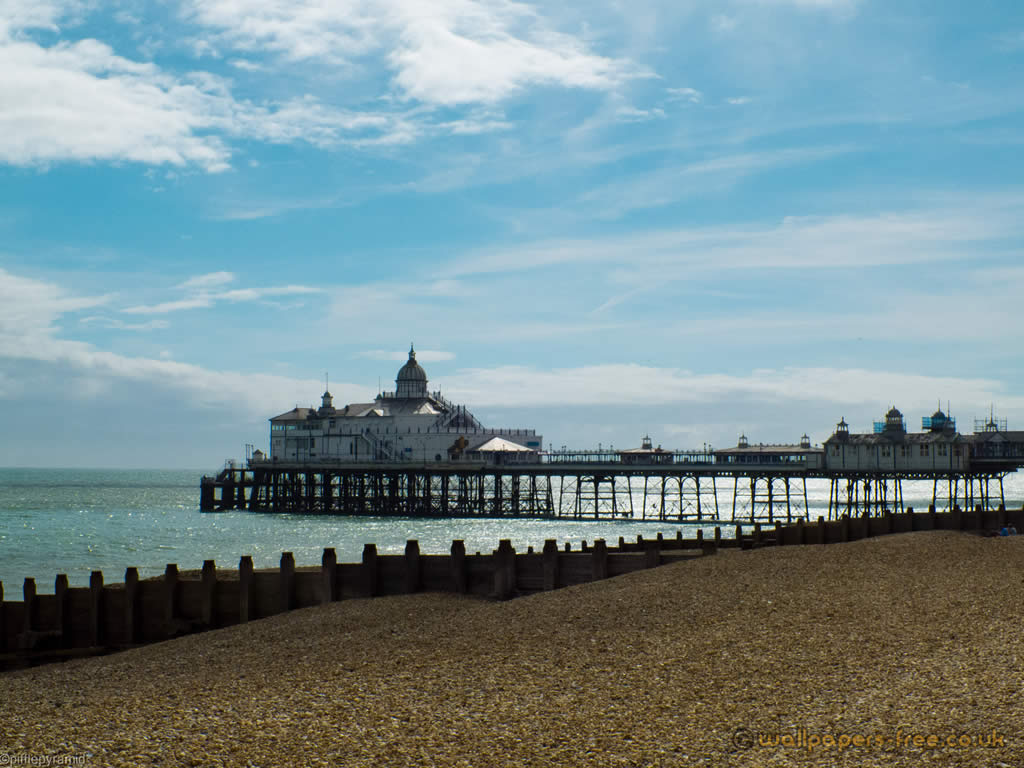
(119, 325)
(422, 355)
(517, 386)
(29, 314)
(633, 115)
(691, 95)
(951, 230)
(738, 100)
(203, 297)
(210, 280)
(79, 101)
(669, 184)
(446, 52)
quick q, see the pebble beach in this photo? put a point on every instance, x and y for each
(903, 650)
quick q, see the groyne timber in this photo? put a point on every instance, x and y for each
(106, 617)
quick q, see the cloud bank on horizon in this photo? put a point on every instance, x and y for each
(691, 219)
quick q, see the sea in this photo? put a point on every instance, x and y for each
(76, 521)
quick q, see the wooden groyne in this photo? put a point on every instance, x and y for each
(101, 618)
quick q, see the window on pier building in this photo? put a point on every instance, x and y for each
(924, 449)
(941, 450)
(903, 451)
(886, 450)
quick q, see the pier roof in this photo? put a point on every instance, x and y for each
(295, 414)
(496, 444)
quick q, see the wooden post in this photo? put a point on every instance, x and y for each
(718, 537)
(584, 547)
(329, 576)
(458, 565)
(801, 531)
(599, 561)
(957, 521)
(700, 537)
(131, 599)
(887, 516)
(739, 535)
(170, 599)
(865, 525)
(757, 534)
(778, 533)
(3, 620)
(844, 527)
(932, 520)
(96, 628)
(568, 547)
(821, 529)
(550, 555)
(504, 570)
(208, 613)
(369, 570)
(622, 544)
(287, 587)
(412, 566)
(31, 607)
(652, 554)
(247, 605)
(60, 591)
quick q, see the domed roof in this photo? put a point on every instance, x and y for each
(938, 416)
(411, 371)
(894, 413)
(412, 379)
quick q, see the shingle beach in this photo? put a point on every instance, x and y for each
(751, 658)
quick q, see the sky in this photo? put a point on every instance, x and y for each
(600, 220)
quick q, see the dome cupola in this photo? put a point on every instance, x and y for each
(412, 379)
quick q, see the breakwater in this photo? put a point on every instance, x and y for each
(105, 617)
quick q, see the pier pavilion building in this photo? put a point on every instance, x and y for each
(938, 448)
(409, 424)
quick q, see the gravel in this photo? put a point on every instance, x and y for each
(916, 634)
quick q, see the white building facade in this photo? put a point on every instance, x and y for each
(410, 424)
(891, 448)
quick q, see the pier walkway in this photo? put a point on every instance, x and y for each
(692, 486)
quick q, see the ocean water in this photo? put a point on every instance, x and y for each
(75, 521)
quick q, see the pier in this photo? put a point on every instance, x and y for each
(692, 487)
(413, 453)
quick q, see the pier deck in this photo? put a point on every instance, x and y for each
(589, 485)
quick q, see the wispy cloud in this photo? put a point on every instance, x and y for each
(667, 185)
(112, 323)
(691, 95)
(201, 294)
(210, 280)
(445, 53)
(947, 230)
(645, 385)
(422, 355)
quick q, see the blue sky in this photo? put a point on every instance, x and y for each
(690, 219)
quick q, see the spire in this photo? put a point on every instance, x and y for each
(412, 352)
